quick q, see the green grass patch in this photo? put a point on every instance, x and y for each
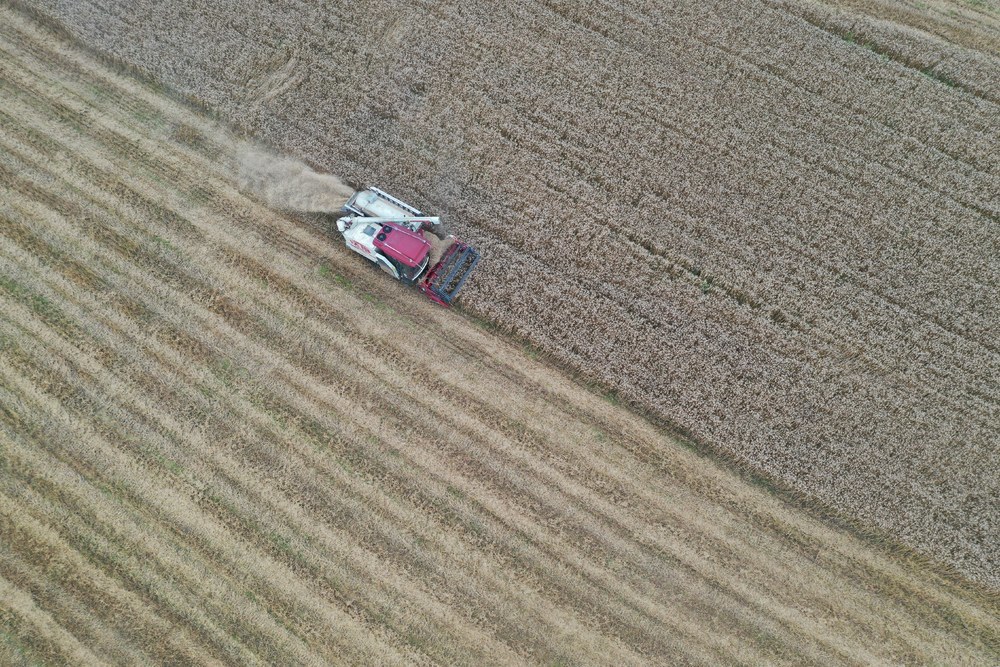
(164, 244)
(228, 371)
(38, 304)
(149, 117)
(941, 78)
(344, 465)
(326, 272)
(379, 303)
(169, 464)
(281, 542)
(107, 489)
(984, 5)
(14, 650)
(284, 545)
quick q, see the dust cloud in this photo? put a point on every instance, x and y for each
(289, 184)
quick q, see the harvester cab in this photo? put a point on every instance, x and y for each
(406, 244)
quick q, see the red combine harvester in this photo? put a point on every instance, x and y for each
(404, 243)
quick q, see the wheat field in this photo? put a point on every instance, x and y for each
(223, 439)
(768, 223)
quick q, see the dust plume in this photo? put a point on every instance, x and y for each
(289, 184)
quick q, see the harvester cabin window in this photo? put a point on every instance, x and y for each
(411, 272)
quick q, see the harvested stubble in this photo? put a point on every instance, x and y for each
(214, 448)
(772, 224)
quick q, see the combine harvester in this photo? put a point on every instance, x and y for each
(404, 243)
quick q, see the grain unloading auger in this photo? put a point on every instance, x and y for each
(404, 243)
